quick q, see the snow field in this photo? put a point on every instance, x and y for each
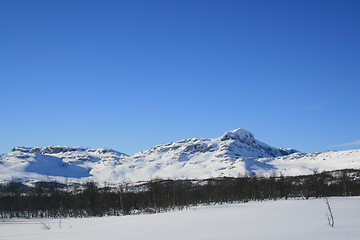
(270, 220)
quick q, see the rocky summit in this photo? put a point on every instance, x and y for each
(233, 154)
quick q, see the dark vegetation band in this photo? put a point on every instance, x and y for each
(53, 199)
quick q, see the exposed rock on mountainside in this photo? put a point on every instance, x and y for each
(235, 153)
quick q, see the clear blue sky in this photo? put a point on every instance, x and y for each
(133, 74)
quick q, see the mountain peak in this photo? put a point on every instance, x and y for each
(236, 151)
(239, 134)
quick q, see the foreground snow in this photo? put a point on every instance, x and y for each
(291, 219)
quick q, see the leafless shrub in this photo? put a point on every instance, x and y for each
(329, 214)
(45, 226)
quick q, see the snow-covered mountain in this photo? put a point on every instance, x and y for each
(235, 153)
(229, 155)
(59, 163)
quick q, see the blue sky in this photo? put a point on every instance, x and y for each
(133, 74)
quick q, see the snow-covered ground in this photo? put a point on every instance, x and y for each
(235, 153)
(277, 220)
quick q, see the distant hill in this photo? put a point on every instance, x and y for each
(233, 154)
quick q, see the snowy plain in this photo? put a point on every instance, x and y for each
(269, 220)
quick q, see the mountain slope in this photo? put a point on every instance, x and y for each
(308, 163)
(235, 153)
(229, 155)
(57, 162)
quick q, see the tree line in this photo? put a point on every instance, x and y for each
(53, 199)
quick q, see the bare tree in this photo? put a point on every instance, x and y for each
(45, 226)
(329, 214)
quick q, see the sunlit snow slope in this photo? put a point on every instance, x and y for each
(235, 153)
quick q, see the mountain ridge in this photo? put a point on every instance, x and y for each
(235, 153)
